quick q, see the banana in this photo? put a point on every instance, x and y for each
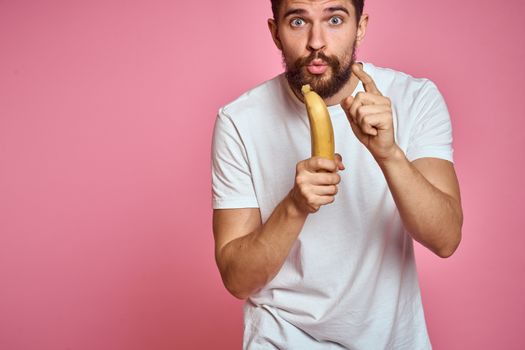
(321, 130)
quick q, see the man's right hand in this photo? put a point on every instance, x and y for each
(316, 181)
(249, 253)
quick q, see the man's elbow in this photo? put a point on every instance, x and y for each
(452, 244)
(233, 283)
(238, 293)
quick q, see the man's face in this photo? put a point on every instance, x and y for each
(317, 40)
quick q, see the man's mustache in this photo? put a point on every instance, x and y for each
(316, 55)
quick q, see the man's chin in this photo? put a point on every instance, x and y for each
(320, 84)
(317, 80)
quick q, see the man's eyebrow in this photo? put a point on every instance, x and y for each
(294, 12)
(337, 8)
(298, 11)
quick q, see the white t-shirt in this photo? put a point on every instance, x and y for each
(350, 280)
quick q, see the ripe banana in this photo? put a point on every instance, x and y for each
(321, 130)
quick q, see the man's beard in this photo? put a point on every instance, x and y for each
(297, 74)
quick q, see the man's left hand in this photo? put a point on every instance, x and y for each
(370, 116)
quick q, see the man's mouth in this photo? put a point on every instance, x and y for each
(317, 67)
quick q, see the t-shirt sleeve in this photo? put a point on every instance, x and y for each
(232, 185)
(432, 133)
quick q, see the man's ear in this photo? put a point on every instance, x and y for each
(274, 30)
(361, 29)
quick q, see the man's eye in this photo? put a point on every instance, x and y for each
(336, 20)
(297, 22)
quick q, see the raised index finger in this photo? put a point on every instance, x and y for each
(368, 82)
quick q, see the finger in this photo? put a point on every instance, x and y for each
(362, 127)
(339, 161)
(371, 123)
(369, 98)
(330, 190)
(315, 201)
(318, 201)
(355, 128)
(362, 99)
(324, 179)
(372, 109)
(365, 110)
(368, 129)
(347, 102)
(351, 103)
(324, 200)
(368, 82)
(316, 164)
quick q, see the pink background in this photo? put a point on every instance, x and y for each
(106, 114)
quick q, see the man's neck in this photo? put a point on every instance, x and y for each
(346, 91)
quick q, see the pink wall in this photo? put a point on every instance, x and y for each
(106, 113)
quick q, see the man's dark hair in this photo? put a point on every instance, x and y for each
(358, 4)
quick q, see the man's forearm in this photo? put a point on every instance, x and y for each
(432, 217)
(251, 261)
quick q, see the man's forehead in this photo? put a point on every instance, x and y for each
(316, 3)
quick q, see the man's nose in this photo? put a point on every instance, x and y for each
(316, 40)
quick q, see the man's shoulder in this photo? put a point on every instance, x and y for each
(391, 81)
(259, 97)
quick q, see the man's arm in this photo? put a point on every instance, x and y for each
(249, 253)
(426, 191)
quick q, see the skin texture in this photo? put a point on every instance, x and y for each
(317, 33)
(249, 253)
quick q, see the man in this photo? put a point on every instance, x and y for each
(325, 258)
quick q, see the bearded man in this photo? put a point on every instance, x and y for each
(323, 252)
